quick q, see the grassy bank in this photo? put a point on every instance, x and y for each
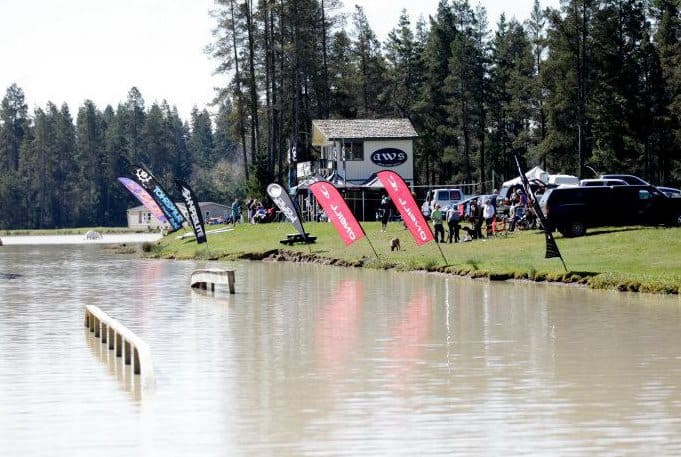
(630, 258)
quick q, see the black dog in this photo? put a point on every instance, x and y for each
(395, 244)
(469, 234)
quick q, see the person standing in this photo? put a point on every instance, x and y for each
(236, 211)
(453, 223)
(249, 209)
(488, 214)
(476, 218)
(437, 218)
(385, 213)
(425, 209)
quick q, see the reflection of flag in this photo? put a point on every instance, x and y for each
(551, 246)
(193, 211)
(337, 333)
(281, 198)
(338, 212)
(404, 202)
(144, 198)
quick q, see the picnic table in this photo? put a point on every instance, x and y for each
(293, 238)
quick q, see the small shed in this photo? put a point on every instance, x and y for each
(140, 218)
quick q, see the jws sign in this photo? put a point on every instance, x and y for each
(389, 157)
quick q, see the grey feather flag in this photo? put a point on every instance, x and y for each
(551, 246)
(283, 201)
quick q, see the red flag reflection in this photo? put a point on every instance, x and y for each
(338, 212)
(337, 332)
(412, 331)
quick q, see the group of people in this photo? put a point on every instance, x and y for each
(476, 214)
(452, 216)
(255, 210)
(520, 211)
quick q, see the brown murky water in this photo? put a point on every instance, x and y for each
(310, 360)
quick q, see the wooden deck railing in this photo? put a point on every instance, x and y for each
(125, 343)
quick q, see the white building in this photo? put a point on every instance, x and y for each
(140, 218)
(356, 149)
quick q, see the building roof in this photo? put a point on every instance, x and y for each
(328, 130)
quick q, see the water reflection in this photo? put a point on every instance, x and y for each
(337, 334)
(410, 335)
(310, 360)
(116, 366)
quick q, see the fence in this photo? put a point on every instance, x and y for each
(125, 343)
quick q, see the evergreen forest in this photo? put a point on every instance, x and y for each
(591, 87)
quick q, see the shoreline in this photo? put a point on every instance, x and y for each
(630, 259)
(568, 279)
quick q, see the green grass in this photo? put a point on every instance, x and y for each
(628, 258)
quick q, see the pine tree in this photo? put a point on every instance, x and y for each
(90, 157)
(370, 63)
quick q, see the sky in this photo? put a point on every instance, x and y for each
(73, 50)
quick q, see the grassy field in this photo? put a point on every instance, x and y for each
(629, 258)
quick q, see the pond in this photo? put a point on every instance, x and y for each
(315, 360)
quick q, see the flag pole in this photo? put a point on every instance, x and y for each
(443, 254)
(372, 246)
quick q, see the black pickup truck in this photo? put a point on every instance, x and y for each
(571, 210)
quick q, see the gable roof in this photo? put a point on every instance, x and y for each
(324, 131)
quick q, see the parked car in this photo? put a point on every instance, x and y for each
(602, 182)
(629, 179)
(670, 192)
(445, 197)
(571, 210)
(563, 180)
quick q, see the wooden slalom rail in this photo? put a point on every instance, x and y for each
(125, 343)
(202, 278)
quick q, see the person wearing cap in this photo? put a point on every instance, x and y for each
(438, 228)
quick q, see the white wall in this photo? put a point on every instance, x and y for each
(134, 220)
(361, 170)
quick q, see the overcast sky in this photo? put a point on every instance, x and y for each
(73, 50)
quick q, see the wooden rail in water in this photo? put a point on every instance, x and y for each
(202, 278)
(126, 344)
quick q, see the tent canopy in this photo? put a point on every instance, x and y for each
(535, 173)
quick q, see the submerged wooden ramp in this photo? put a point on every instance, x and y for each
(202, 278)
(127, 345)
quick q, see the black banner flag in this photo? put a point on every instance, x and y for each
(281, 198)
(193, 211)
(160, 196)
(551, 246)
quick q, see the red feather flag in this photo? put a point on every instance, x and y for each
(404, 202)
(338, 212)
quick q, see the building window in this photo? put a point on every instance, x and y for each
(354, 150)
